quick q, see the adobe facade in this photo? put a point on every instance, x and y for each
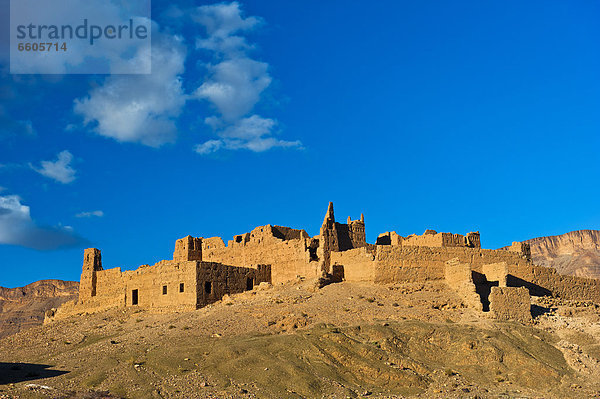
(204, 269)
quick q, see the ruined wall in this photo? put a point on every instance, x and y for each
(473, 239)
(150, 283)
(212, 243)
(540, 280)
(215, 280)
(459, 277)
(358, 264)
(188, 248)
(266, 234)
(496, 272)
(520, 247)
(287, 233)
(110, 290)
(511, 303)
(328, 240)
(92, 263)
(431, 238)
(288, 259)
(351, 235)
(389, 238)
(418, 264)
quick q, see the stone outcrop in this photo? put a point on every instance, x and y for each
(24, 307)
(576, 253)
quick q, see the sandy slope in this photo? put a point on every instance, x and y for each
(345, 340)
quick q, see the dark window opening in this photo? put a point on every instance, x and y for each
(207, 287)
(238, 239)
(312, 251)
(134, 297)
(181, 287)
(164, 290)
(249, 283)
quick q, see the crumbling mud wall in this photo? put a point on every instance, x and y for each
(419, 264)
(459, 277)
(520, 247)
(188, 248)
(215, 280)
(168, 285)
(511, 303)
(288, 251)
(393, 264)
(432, 238)
(358, 264)
(389, 238)
(541, 281)
(497, 272)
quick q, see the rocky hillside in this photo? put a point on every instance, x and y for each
(296, 341)
(576, 253)
(24, 307)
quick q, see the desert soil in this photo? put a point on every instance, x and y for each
(295, 340)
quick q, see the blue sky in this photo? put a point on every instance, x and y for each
(457, 116)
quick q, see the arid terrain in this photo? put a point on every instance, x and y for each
(295, 340)
(24, 307)
(576, 253)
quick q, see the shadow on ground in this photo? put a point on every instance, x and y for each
(537, 310)
(16, 372)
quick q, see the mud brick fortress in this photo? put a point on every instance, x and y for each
(203, 270)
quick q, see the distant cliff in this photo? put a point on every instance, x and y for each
(24, 307)
(576, 253)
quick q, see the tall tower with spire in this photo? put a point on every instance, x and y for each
(339, 237)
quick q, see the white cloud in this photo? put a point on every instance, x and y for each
(59, 170)
(223, 20)
(89, 214)
(17, 228)
(209, 146)
(140, 108)
(144, 108)
(252, 133)
(235, 86)
(235, 82)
